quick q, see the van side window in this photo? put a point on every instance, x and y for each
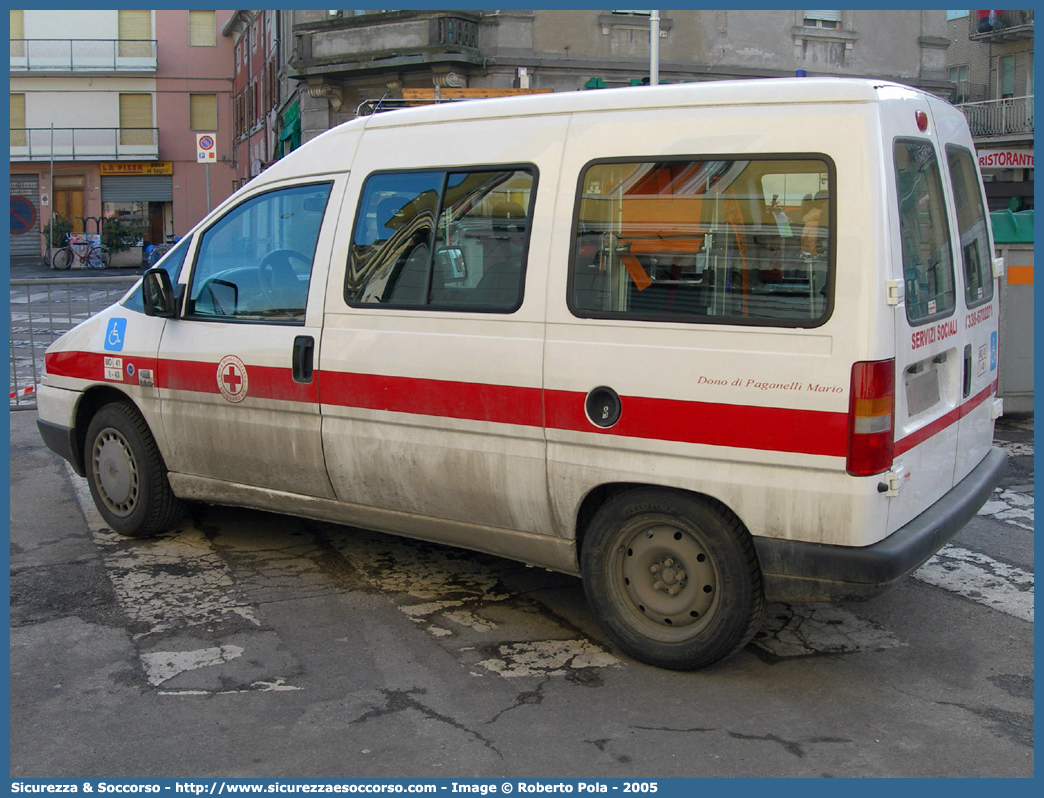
(971, 223)
(924, 231)
(441, 240)
(729, 241)
(255, 262)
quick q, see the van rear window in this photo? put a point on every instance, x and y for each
(924, 231)
(971, 221)
(734, 241)
(441, 240)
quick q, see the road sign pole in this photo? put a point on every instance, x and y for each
(205, 153)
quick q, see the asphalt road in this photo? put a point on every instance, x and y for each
(255, 645)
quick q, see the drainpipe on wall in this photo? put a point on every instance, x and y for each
(654, 48)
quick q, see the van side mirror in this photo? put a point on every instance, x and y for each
(157, 294)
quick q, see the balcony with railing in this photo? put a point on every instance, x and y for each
(376, 42)
(1009, 117)
(1000, 26)
(84, 144)
(62, 56)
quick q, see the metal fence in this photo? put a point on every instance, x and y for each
(1013, 115)
(41, 310)
(76, 55)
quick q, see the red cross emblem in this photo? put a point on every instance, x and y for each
(232, 378)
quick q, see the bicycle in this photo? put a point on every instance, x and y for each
(79, 250)
(154, 253)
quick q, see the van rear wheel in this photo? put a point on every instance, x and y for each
(126, 474)
(672, 579)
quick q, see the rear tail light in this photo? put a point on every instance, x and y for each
(871, 418)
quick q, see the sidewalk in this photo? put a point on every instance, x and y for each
(37, 268)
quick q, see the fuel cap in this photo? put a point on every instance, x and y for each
(603, 407)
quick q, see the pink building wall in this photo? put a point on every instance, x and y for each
(181, 71)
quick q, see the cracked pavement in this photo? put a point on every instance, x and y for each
(248, 644)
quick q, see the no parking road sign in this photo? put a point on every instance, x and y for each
(205, 152)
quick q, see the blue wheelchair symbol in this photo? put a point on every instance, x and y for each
(114, 335)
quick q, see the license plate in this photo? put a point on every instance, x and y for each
(922, 391)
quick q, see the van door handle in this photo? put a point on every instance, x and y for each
(304, 346)
(967, 371)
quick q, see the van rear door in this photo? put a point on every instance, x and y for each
(941, 258)
(929, 339)
(978, 300)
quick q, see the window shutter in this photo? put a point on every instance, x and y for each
(201, 29)
(829, 16)
(17, 34)
(1007, 76)
(203, 112)
(18, 120)
(136, 119)
(135, 34)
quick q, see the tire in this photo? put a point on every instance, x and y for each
(98, 258)
(672, 579)
(126, 474)
(63, 259)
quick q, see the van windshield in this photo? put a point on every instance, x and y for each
(726, 241)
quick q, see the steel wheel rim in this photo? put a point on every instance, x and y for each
(116, 472)
(665, 579)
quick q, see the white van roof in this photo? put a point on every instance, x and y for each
(768, 91)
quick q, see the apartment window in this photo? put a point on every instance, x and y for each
(201, 29)
(828, 20)
(136, 119)
(203, 112)
(1006, 75)
(18, 138)
(135, 34)
(959, 77)
(17, 35)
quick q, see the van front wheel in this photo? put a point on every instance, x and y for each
(672, 579)
(126, 474)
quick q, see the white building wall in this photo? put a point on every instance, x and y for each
(71, 24)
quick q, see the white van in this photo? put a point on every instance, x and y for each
(706, 345)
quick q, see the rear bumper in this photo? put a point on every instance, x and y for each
(796, 571)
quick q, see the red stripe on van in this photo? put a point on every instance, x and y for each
(736, 426)
(764, 428)
(91, 366)
(264, 382)
(502, 404)
(924, 433)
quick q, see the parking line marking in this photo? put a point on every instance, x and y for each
(982, 579)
